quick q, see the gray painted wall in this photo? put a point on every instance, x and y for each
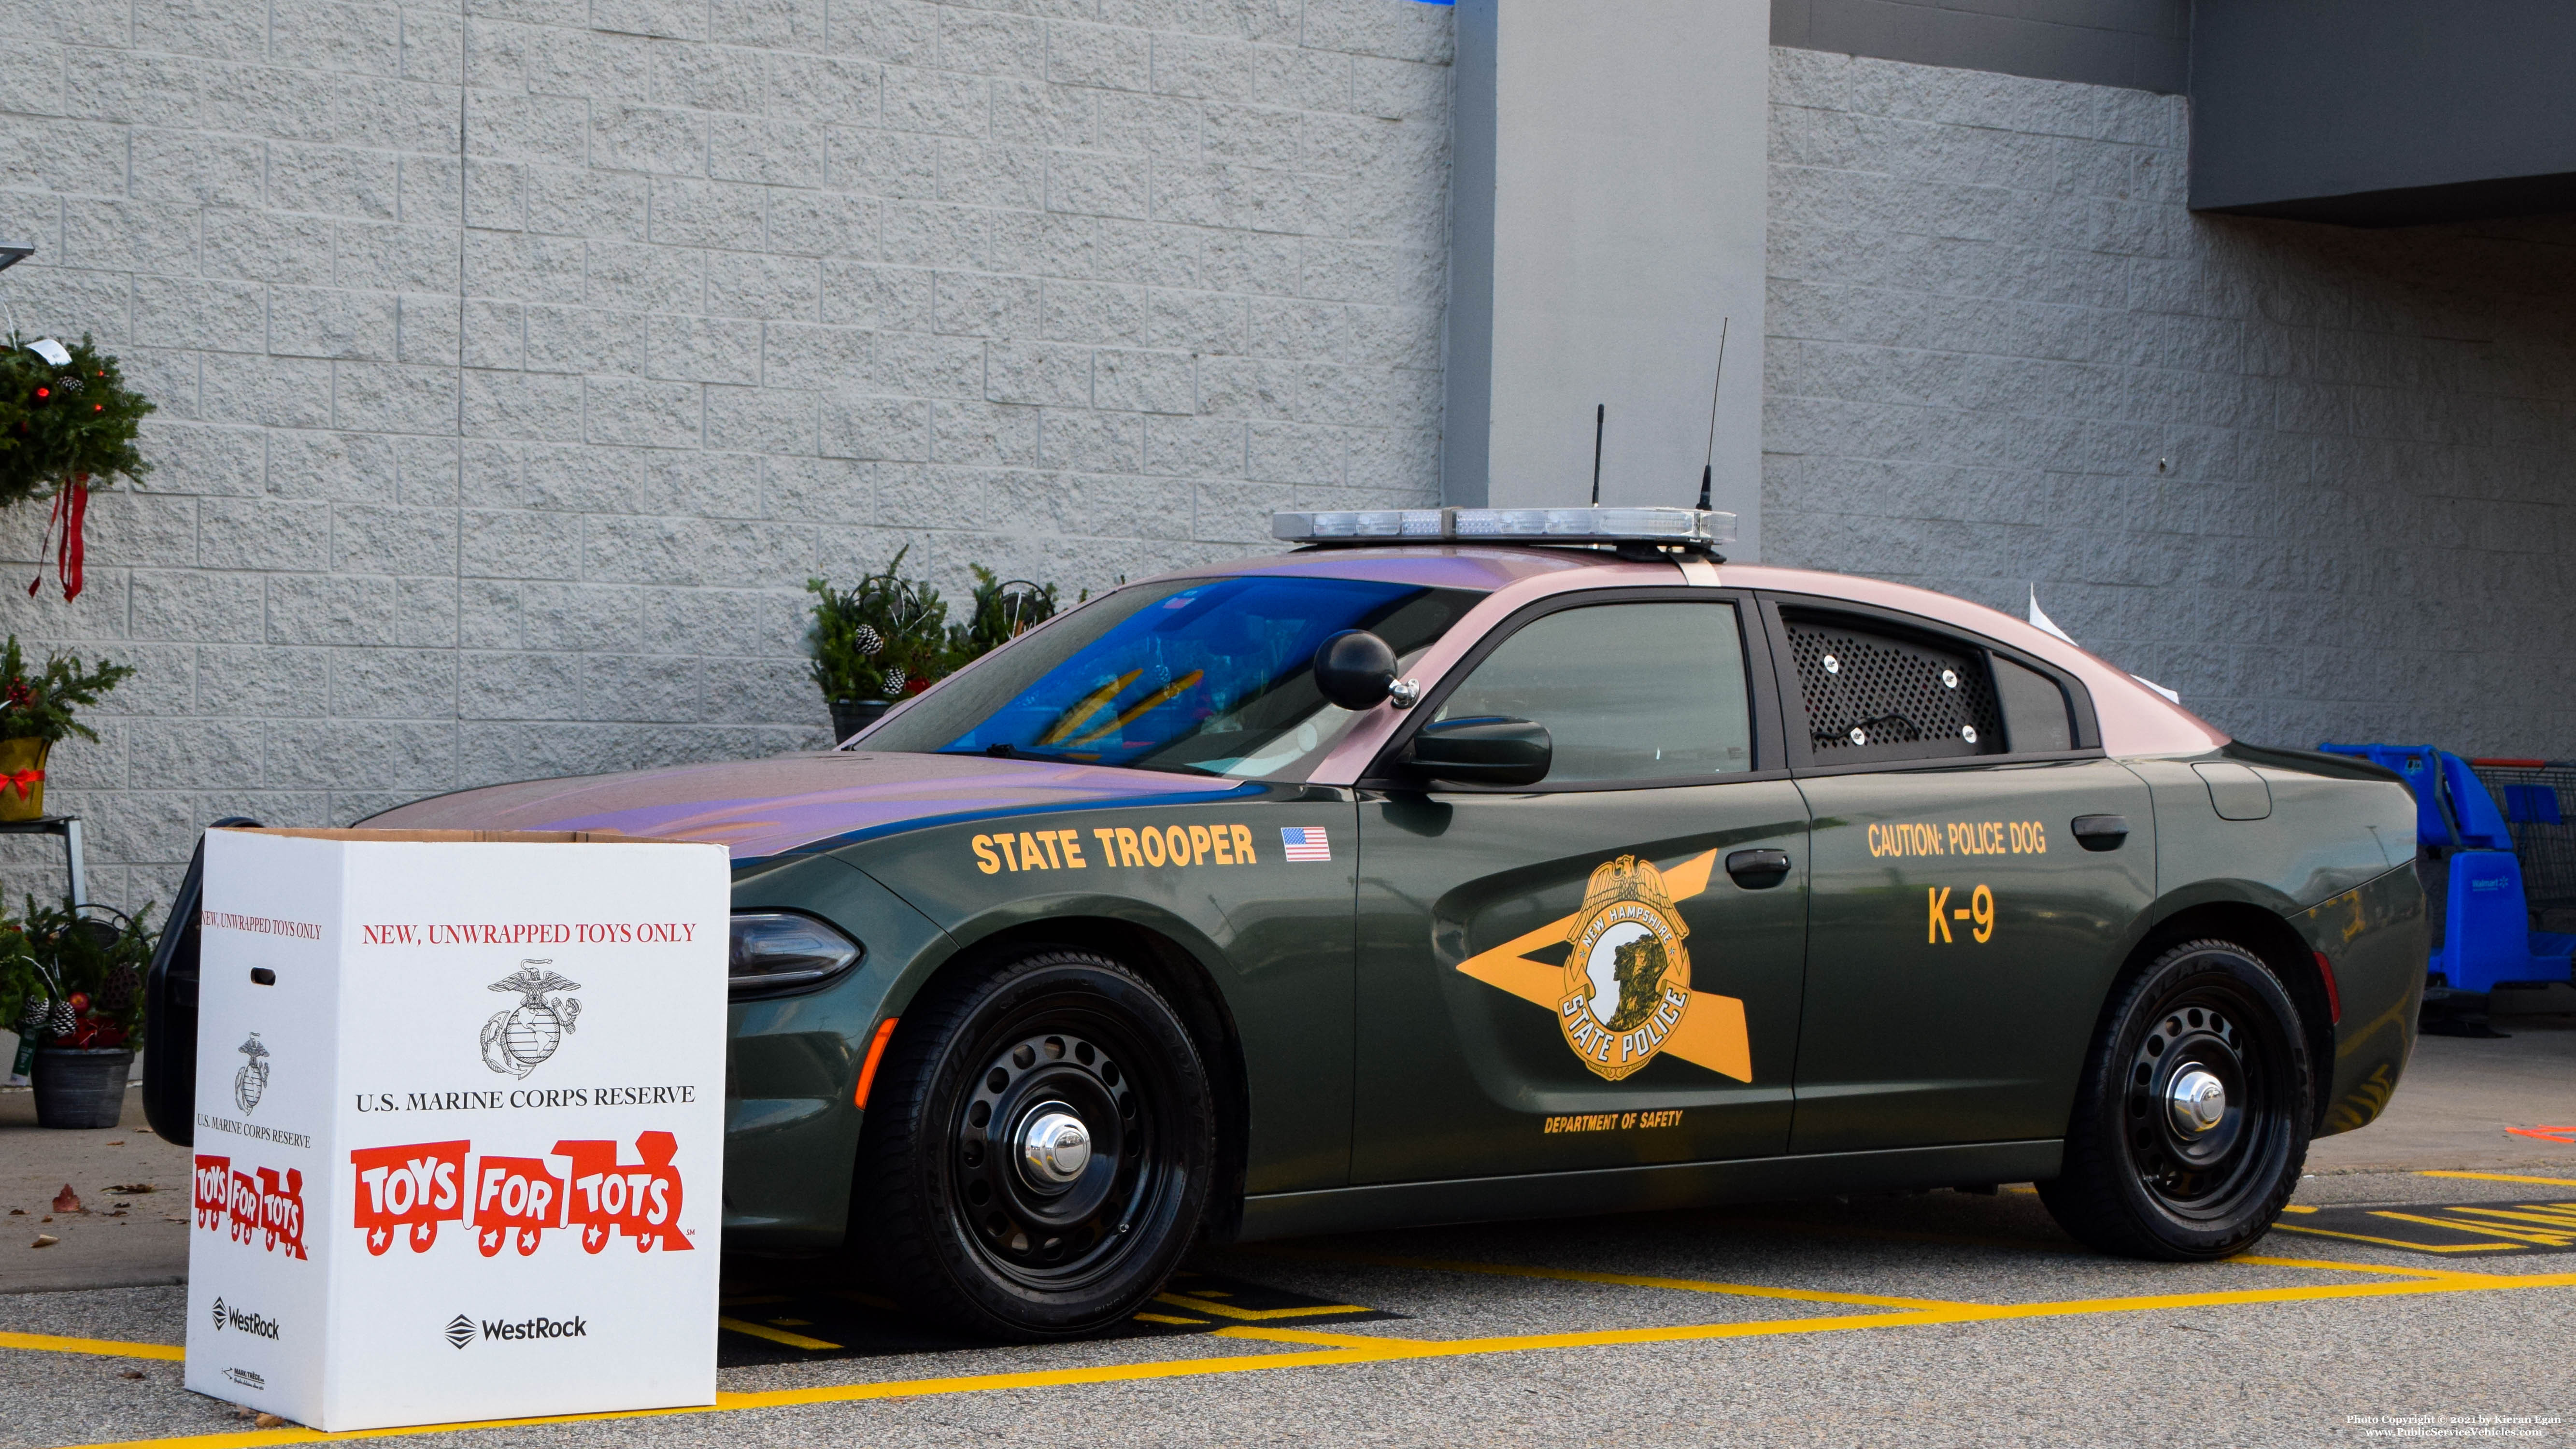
(2317, 479)
(2144, 44)
(761, 293)
(1608, 220)
(2383, 111)
(516, 468)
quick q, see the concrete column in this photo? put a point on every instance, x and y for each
(1607, 209)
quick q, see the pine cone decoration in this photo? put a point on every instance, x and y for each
(116, 995)
(33, 1020)
(868, 639)
(60, 1021)
(894, 678)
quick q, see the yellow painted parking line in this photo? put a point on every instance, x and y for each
(2336, 1266)
(1387, 1351)
(108, 1347)
(2493, 1230)
(774, 1335)
(1253, 1315)
(2501, 1177)
(1623, 1280)
(2400, 1242)
(1309, 1336)
(1165, 1318)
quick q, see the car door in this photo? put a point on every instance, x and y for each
(1566, 975)
(1977, 864)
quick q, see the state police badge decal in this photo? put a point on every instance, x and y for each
(1627, 974)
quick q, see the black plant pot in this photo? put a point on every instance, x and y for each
(849, 716)
(81, 1086)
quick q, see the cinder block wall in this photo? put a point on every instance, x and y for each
(518, 364)
(2322, 481)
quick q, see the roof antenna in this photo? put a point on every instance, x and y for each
(1708, 469)
(1600, 421)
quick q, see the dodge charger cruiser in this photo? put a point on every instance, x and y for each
(1468, 864)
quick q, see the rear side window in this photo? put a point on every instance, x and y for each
(1877, 695)
(1628, 692)
(2035, 713)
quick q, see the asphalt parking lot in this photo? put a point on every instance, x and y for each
(2394, 1300)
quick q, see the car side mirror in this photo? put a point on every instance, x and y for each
(1487, 750)
(1355, 669)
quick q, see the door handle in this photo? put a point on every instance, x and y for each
(2100, 832)
(1757, 870)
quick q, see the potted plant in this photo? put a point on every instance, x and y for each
(67, 422)
(35, 712)
(874, 643)
(1001, 612)
(81, 977)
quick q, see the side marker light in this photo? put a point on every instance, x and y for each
(2334, 994)
(876, 1054)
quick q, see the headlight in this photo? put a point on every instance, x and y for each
(775, 949)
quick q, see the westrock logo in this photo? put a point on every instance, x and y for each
(539, 1328)
(250, 1323)
(518, 1041)
(408, 1191)
(265, 1204)
(459, 1331)
(252, 1079)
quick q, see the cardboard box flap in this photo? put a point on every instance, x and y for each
(452, 837)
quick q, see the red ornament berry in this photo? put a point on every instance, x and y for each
(44, 392)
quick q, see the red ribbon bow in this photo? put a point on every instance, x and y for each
(71, 510)
(25, 780)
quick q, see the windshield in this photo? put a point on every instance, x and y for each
(1209, 675)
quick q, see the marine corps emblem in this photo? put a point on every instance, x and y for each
(519, 1040)
(252, 1079)
(1627, 975)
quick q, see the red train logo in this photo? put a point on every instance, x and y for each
(262, 1205)
(410, 1190)
(641, 1200)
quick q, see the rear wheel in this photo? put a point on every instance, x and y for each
(2191, 1123)
(1038, 1148)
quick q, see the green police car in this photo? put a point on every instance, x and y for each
(1468, 864)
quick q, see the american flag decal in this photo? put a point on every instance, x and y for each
(1305, 842)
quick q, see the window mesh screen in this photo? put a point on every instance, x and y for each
(1880, 696)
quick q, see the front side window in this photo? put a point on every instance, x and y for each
(1628, 692)
(1214, 676)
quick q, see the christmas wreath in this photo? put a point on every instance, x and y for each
(65, 426)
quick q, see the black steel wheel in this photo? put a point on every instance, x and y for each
(2193, 1117)
(1038, 1149)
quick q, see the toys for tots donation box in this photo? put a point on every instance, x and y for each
(459, 1125)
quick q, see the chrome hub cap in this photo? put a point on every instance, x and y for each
(1054, 1147)
(2198, 1101)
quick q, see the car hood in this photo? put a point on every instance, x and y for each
(769, 807)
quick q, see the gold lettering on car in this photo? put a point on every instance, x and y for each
(1611, 1122)
(1957, 837)
(1115, 846)
(1979, 912)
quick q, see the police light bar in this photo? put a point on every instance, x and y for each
(1690, 528)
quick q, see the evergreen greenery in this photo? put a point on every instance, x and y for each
(65, 425)
(39, 705)
(883, 638)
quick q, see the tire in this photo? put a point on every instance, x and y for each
(960, 1224)
(2143, 1177)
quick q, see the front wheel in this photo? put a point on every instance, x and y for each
(2192, 1120)
(1038, 1148)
